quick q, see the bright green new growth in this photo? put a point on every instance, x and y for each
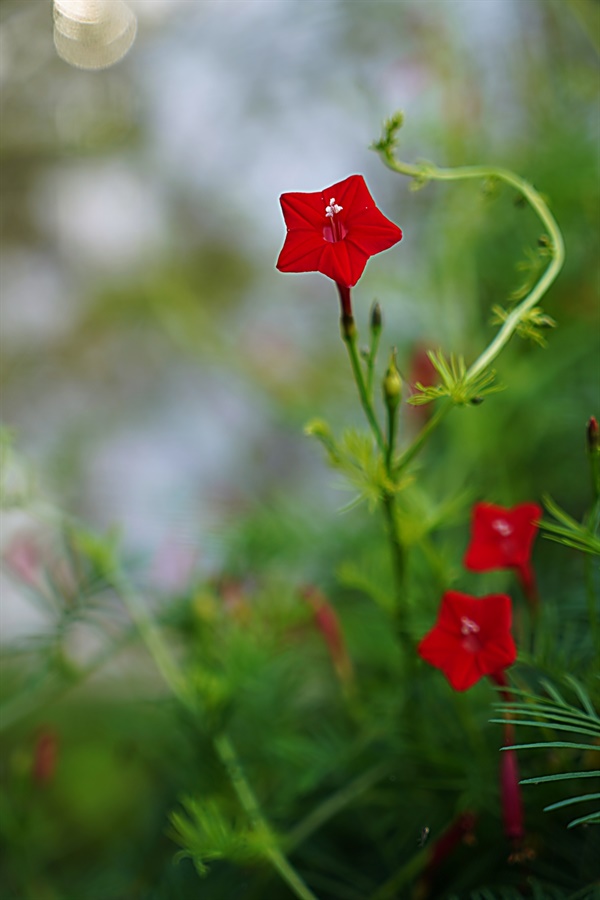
(552, 243)
(456, 384)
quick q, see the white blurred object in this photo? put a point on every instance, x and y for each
(93, 34)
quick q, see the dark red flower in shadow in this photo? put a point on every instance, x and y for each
(470, 639)
(328, 623)
(45, 756)
(334, 231)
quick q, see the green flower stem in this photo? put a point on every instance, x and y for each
(349, 338)
(248, 800)
(592, 600)
(399, 565)
(39, 694)
(224, 748)
(428, 171)
(336, 802)
(392, 424)
(371, 363)
(348, 330)
(420, 440)
(150, 634)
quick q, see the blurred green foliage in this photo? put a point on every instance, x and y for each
(347, 775)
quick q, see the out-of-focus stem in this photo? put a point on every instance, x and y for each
(421, 439)
(336, 802)
(592, 600)
(371, 362)
(399, 566)
(168, 668)
(249, 803)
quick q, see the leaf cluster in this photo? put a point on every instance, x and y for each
(207, 834)
(456, 383)
(357, 457)
(568, 531)
(552, 713)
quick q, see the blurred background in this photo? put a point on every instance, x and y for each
(157, 370)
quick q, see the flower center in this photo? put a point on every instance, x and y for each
(503, 528)
(470, 629)
(468, 626)
(334, 230)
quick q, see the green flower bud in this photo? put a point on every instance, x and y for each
(376, 318)
(392, 383)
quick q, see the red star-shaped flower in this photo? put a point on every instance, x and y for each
(334, 231)
(502, 538)
(470, 639)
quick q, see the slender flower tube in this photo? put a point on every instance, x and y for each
(510, 789)
(461, 830)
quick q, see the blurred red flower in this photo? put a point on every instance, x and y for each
(334, 231)
(328, 623)
(45, 756)
(502, 538)
(470, 639)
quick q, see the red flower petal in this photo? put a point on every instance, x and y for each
(343, 262)
(336, 243)
(301, 252)
(352, 194)
(303, 210)
(372, 232)
(501, 538)
(470, 639)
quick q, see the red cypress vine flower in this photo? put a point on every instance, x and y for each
(470, 639)
(334, 231)
(502, 539)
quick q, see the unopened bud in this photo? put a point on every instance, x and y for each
(593, 435)
(376, 318)
(45, 757)
(327, 622)
(392, 383)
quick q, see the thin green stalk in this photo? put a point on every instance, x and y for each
(247, 798)
(428, 171)
(592, 603)
(376, 335)
(349, 338)
(223, 746)
(335, 803)
(420, 440)
(388, 498)
(399, 566)
(392, 421)
(152, 637)
(406, 873)
(32, 698)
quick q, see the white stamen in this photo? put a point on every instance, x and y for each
(502, 527)
(468, 626)
(332, 209)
